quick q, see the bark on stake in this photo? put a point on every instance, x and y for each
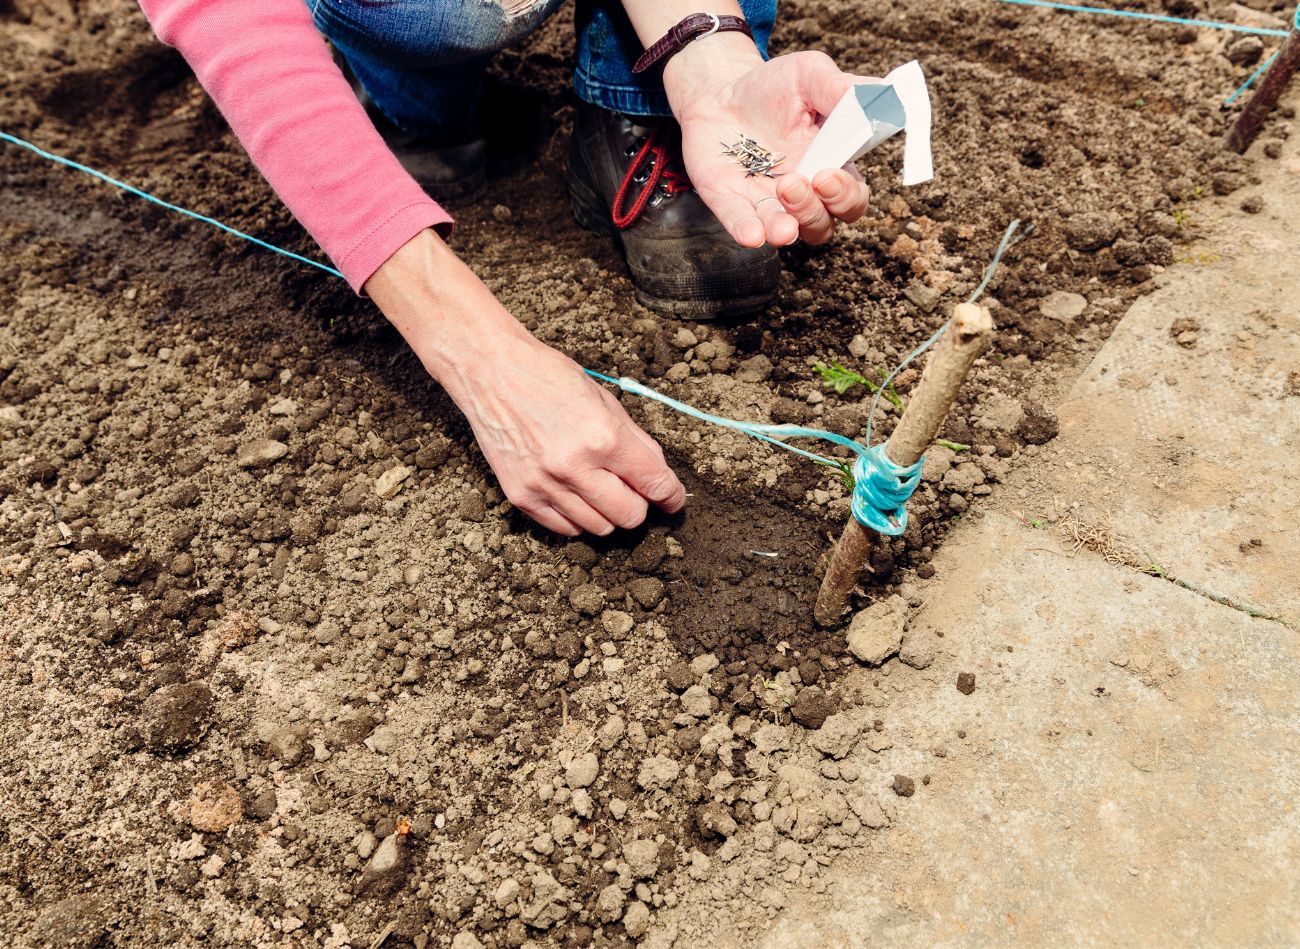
(1264, 100)
(968, 336)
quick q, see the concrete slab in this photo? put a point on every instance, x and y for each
(1184, 433)
(1128, 774)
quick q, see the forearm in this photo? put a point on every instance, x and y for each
(705, 62)
(272, 76)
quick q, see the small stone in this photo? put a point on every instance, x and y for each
(214, 807)
(965, 682)
(714, 820)
(1062, 306)
(387, 869)
(1253, 204)
(260, 452)
(1245, 51)
(636, 921)
(812, 707)
(176, 716)
(903, 785)
(876, 633)
(390, 482)
(506, 893)
(755, 369)
(582, 771)
(642, 856)
(923, 296)
(658, 772)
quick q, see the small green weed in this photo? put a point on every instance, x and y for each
(842, 380)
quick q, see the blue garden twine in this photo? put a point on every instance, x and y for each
(881, 488)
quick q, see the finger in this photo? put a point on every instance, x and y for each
(611, 497)
(845, 198)
(646, 473)
(778, 225)
(575, 509)
(796, 194)
(552, 519)
(736, 214)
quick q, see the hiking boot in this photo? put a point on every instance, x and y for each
(625, 178)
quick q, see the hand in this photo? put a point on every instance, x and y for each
(563, 449)
(781, 105)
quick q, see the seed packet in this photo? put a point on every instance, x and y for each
(868, 114)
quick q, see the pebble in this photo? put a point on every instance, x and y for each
(260, 452)
(214, 807)
(387, 869)
(582, 771)
(506, 893)
(876, 633)
(390, 482)
(903, 785)
(1062, 306)
(965, 682)
(283, 407)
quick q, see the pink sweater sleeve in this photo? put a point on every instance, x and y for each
(272, 76)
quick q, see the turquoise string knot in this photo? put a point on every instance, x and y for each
(881, 490)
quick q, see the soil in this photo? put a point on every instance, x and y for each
(253, 701)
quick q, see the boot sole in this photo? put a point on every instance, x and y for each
(590, 213)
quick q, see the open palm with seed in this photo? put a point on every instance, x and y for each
(780, 105)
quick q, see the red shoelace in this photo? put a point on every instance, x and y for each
(674, 182)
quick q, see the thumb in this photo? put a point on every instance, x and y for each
(643, 469)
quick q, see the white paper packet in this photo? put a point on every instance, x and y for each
(868, 114)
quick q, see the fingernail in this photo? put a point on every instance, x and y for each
(799, 192)
(831, 188)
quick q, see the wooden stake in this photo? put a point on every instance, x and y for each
(1264, 100)
(950, 360)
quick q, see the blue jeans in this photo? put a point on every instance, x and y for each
(422, 61)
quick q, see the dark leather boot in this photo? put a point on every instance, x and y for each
(626, 179)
